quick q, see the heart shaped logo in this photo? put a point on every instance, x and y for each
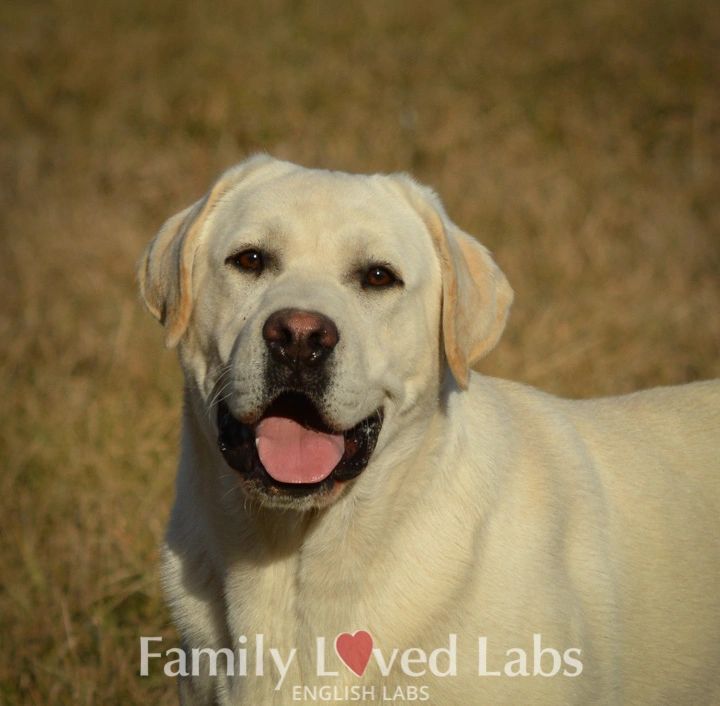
(354, 649)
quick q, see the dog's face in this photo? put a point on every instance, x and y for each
(315, 312)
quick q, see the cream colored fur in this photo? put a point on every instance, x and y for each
(488, 508)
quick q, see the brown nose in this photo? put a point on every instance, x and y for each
(300, 339)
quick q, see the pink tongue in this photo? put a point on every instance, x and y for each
(291, 453)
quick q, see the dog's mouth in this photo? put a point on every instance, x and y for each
(291, 450)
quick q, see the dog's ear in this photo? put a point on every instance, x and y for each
(165, 269)
(476, 296)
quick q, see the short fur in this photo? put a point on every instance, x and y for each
(488, 508)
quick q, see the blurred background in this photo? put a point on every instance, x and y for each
(579, 140)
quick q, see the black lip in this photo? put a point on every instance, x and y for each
(236, 441)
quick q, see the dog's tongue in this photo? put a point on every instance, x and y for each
(291, 453)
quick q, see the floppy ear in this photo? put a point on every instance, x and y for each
(476, 295)
(165, 269)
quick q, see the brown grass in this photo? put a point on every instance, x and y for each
(579, 140)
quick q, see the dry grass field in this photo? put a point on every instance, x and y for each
(579, 140)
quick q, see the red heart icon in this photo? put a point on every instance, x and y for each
(354, 650)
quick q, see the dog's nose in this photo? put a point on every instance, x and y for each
(298, 338)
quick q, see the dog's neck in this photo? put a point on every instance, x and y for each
(390, 485)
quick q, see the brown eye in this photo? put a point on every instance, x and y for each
(249, 260)
(379, 276)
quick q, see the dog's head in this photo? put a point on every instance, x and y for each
(315, 313)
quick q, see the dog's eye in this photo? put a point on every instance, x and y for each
(380, 276)
(250, 260)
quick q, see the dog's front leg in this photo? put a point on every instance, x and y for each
(197, 691)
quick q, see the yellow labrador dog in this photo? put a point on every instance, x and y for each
(361, 518)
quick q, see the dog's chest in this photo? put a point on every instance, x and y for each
(295, 598)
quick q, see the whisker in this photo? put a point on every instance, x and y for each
(229, 492)
(219, 389)
(219, 396)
